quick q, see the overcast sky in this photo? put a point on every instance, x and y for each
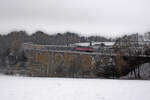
(98, 17)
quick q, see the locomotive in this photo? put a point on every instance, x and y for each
(84, 49)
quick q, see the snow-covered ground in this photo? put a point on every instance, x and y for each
(27, 88)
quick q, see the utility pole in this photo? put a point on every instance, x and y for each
(90, 43)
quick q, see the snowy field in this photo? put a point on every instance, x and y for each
(25, 88)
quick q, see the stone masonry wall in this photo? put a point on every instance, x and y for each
(65, 64)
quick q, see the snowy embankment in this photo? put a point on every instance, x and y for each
(27, 88)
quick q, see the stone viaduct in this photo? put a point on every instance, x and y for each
(65, 63)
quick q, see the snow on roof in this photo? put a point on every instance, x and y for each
(93, 43)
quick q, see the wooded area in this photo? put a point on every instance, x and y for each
(10, 44)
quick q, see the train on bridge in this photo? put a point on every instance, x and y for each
(76, 48)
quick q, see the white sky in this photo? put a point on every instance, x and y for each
(89, 17)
